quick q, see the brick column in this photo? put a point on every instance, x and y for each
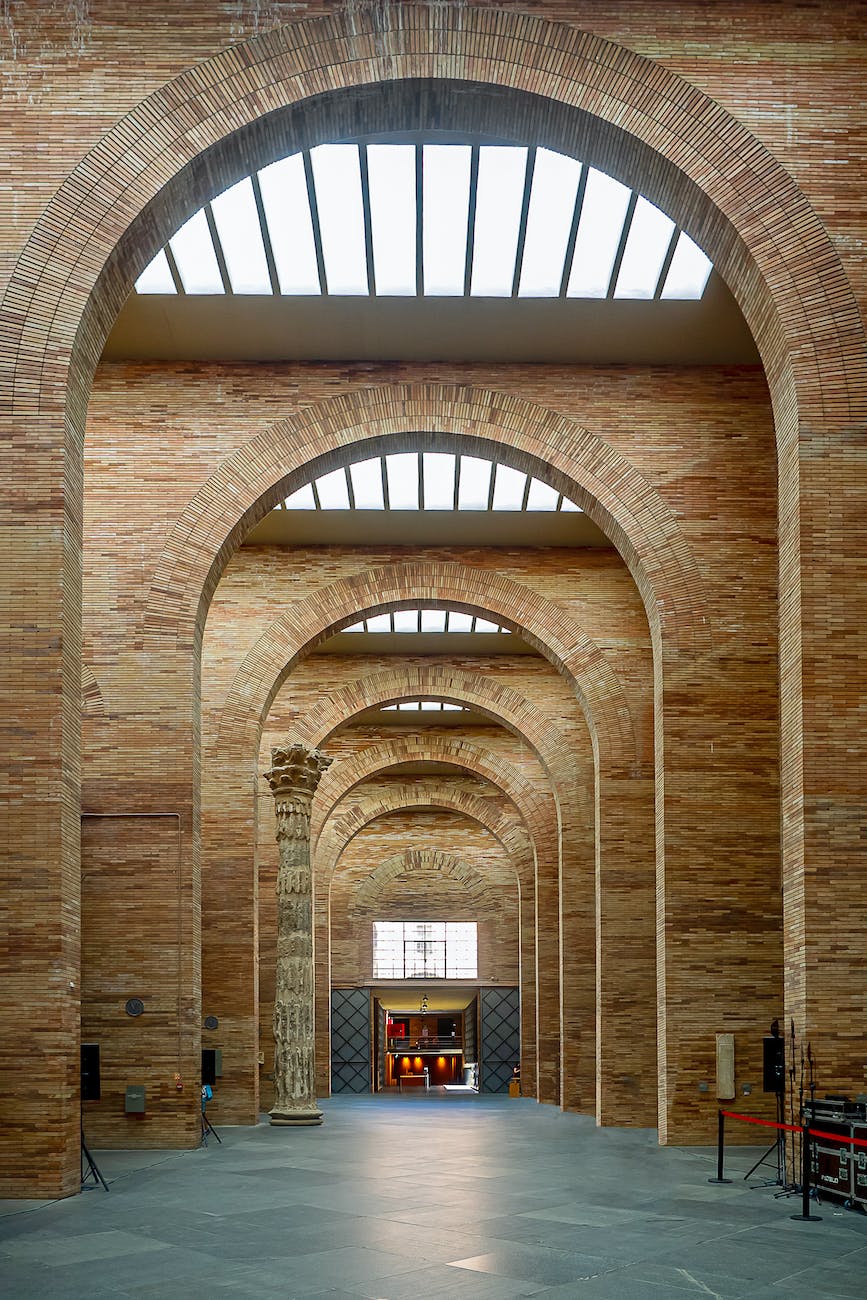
(293, 778)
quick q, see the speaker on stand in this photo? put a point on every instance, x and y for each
(774, 1080)
(90, 1091)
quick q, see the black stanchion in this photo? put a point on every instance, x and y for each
(721, 1138)
(805, 1216)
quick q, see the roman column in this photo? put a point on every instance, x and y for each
(293, 778)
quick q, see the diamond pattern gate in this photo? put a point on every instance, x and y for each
(350, 1040)
(500, 1037)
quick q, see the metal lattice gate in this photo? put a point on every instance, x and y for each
(500, 1037)
(350, 1040)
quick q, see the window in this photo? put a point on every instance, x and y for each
(425, 950)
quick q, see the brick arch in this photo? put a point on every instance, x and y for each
(448, 865)
(548, 626)
(536, 808)
(92, 701)
(505, 828)
(478, 421)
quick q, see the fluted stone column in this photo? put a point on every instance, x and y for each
(293, 778)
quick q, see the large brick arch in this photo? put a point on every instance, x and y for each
(536, 808)
(479, 421)
(551, 628)
(506, 827)
(449, 866)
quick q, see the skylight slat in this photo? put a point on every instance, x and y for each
(541, 496)
(439, 480)
(337, 178)
(508, 488)
(379, 623)
(689, 271)
(303, 499)
(237, 220)
(283, 186)
(402, 473)
(474, 486)
(646, 246)
(157, 276)
(433, 620)
(405, 620)
(499, 198)
(367, 484)
(193, 251)
(333, 490)
(393, 216)
(549, 221)
(599, 231)
(459, 622)
(445, 215)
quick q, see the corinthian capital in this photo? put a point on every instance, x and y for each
(295, 773)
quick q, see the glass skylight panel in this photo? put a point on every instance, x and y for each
(156, 277)
(453, 708)
(405, 620)
(356, 627)
(541, 496)
(460, 622)
(439, 480)
(333, 490)
(393, 217)
(499, 197)
(366, 478)
(646, 246)
(408, 706)
(431, 706)
(290, 226)
(549, 221)
(433, 620)
(508, 488)
(379, 623)
(569, 507)
(402, 472)
(445, 215)
(303, 499)
(484, 625)
(689, 271)
(599, 231)
(337, 179)
(194, 255)
(475, 483)
(237, 221)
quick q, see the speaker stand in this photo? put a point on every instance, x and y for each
(777, 1148)
(89, 1167)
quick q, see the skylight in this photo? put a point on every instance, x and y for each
(442, 220)
(426, 620)
(430, 480)
(423, 706)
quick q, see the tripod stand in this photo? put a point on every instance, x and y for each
(92, 1169)
(207, 1126)
(777, 1149)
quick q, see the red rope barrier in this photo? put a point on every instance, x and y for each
(797, 1128)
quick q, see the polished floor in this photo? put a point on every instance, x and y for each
(426, 1196)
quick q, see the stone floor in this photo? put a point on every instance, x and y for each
(424, 1196)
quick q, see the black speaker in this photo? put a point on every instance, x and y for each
(90, 1072)
(773, 1064)
(209, 1065)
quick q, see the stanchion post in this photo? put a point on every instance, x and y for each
(805, 1216)
(720, 1149)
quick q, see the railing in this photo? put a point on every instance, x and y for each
(432, 1043)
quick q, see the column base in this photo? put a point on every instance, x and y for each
(296, 1118)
